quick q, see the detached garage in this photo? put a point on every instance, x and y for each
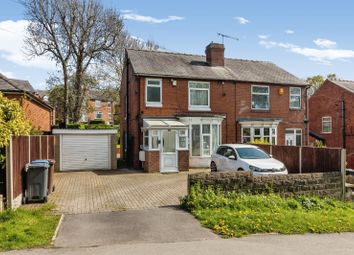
(86, 149)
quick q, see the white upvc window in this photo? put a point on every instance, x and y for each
(109, 104)
(151, 140)
(153, 92)
(293, 136)
(198, 96)
(260, 97)
(295, 98)
(259, 133)
(97, 103)
(84, 117)
(326, 125)
(183, 140)
(98, 115)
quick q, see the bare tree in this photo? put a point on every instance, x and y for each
(76, 34)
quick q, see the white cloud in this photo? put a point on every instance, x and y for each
(12, 34)
(7, 74)
(289, 31)
(264, 37)
(321, 56)
(325, 43)
(129, 15)
(242, 20)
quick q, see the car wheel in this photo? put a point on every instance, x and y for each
(240, 169)
(213, 167)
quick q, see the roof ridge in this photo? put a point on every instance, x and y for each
(197, 55)
(342, 80)
(3, 77)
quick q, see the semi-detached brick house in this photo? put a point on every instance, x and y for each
(39, 113)
(176, 108)
(331, 108)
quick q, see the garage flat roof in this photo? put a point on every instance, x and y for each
(84, 131)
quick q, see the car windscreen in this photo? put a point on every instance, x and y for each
(252, 153)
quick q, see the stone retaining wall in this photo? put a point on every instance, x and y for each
(320, 184)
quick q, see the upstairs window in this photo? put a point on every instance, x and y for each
(97, 103)
(260, 97)
(153, 93)
(327, 125)
(295, 98)
(199, 95)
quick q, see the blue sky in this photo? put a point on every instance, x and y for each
(304, 37)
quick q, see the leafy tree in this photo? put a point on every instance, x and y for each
(12, 122)
(57, 99)
(315, 81)
(332, 76)
(75, 34)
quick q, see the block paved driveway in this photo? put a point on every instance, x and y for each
(107, 191)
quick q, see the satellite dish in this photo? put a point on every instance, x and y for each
(311, 91)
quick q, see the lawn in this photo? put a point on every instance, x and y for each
(27, 228)
(234, 215)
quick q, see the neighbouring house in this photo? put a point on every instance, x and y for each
(331, 111)
(101, 106)
(38, 112)
(177, 108)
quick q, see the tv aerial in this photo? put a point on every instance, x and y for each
(223, 36)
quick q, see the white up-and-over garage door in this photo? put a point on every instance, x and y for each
(86, 150)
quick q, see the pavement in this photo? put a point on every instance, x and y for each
(163, 225)
(310, 244)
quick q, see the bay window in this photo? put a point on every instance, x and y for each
(205, 138)
(199, 95)
(153, 92)
(260, 97)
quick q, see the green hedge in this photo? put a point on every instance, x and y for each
(90, 126)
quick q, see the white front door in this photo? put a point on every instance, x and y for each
(168, 152)
(290, 140)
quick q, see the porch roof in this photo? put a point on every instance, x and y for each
(165, 124)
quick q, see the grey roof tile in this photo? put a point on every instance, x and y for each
(166, 64)
(348, 85)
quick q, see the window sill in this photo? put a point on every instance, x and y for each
(260, 110)
(199, 109)
(153, 105)
(326, 133)
(295, 109)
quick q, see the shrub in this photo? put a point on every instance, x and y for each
(97, 121)
(260, 141)
(319, 144)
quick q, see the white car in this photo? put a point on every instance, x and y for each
(245, 157)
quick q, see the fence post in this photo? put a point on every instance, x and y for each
(9, 176)
(343, 155)
(300, 159)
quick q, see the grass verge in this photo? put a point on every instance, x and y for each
(232, 214)
(27, 228)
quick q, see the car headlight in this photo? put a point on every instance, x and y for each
(283, 169)
(256, 169)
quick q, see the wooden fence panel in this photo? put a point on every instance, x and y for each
(289, 155)
(44, 147)
(24, 149)
(308, 159)
(51, 147)
(35, 147)
(20, 157)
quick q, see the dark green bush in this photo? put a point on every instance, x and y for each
(96, 121)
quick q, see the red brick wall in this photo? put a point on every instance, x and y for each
(39, 116)
(327, 102)
(183, 160)
(230, 98)
(105, 109)
(152, 161)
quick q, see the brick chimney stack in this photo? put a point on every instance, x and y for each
(215, 54)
